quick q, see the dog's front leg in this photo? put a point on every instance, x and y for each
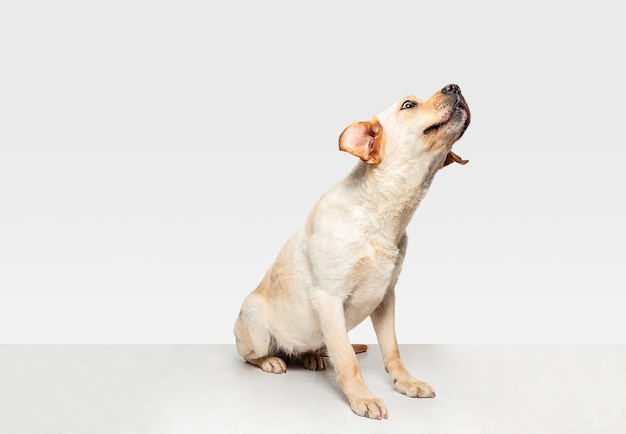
(332, 321)
(383, 319)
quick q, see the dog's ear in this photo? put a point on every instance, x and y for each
(453, 158)
(363, 139)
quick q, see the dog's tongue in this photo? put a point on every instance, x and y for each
(453, 158)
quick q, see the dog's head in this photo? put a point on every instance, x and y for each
(411, 127)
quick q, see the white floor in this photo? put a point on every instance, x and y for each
(179, 389)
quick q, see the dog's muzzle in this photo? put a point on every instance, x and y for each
(453, 89)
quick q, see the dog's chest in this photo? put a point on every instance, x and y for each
(370, 281)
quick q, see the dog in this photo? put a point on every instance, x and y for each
(343, 265)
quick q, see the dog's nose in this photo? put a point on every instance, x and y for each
(451, 88)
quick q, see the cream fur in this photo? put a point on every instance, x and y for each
(342, 266)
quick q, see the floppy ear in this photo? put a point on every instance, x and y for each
(453, 158)
(363, 139)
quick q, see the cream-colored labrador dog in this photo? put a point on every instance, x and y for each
(342, 266)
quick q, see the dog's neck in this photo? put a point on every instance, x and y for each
(392, 194)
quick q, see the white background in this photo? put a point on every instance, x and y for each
(154, 157)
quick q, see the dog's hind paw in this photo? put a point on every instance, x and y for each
(314, 361)
(271, 364)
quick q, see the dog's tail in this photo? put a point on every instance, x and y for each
(359, 348)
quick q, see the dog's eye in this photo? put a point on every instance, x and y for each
(408, 104)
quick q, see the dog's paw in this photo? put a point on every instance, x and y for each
(414, 388)
(373, 408)
(314, 362)
(274, 365)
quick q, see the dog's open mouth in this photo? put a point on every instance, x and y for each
(460, 107)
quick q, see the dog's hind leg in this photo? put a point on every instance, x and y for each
(253, 337)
